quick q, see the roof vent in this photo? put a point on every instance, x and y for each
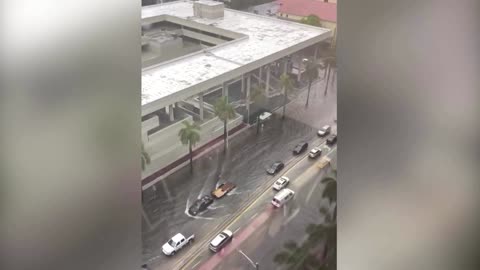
(208, 9)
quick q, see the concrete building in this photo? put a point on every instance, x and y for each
(194, 52)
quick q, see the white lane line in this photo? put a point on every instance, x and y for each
(295, 213)
(310, 193)
(238, 229)
(253, 216)
(193, 267)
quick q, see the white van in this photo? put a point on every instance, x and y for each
(282, 197)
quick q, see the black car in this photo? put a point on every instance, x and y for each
(200, 205)
(275, 167)
(299, 148)
(332, 139)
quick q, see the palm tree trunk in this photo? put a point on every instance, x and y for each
(284, 102)
(308, 92)
(258, 123)
(191, 156)
(328, 77)
(225, 136)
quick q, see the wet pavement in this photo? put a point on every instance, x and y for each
(249, 153)
(278, 226)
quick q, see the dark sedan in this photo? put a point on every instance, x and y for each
(275, 167)
(332, 139)
(200, 205)
(299, 148)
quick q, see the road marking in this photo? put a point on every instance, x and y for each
(193, 267)
(310, 193)
(236, 230)
(295, 212)
(252, 217)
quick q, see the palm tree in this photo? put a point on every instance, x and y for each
(224, 111)
(287, 85)
(330, 191)
(145, 158)
(258, 97)
(329, 62)
(189, 136)
(312, 73)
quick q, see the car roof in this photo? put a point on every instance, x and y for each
(325, 127)
(220, 237)
(282, 193)
(315, 149)
(228, 232)
(281, 179)
(177, 237)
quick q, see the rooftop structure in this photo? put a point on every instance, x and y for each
(324, 10)
(252, 41)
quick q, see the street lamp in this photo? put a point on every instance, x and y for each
(254, 264)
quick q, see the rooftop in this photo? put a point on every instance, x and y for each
(324, 10)
(261, 40)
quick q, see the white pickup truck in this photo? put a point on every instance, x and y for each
(176, 243)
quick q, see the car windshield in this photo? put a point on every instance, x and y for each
(281, 181)
(171, 242)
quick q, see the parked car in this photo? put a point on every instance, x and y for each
(315, 152)
(324, 161)
(221, 240)
(282, 197)
(281, 183)
(176, 243)
(324, 131)
(299, 148)
(275, 167)
(332, 139)
(264, 116)
(200, 205)
(223, 189)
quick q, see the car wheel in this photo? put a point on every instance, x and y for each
(190, 241)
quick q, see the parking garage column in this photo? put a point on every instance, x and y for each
(247, 99)
(242, 87)
(267, 84)
(170, 112)
(299, 74)
(260, 75)
(200, 98)
(225, 90)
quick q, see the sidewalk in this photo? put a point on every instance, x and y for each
(198, 152)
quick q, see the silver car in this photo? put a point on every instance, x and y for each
(324, 131)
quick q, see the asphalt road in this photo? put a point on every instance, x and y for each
(270, 233)
(165, 205)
